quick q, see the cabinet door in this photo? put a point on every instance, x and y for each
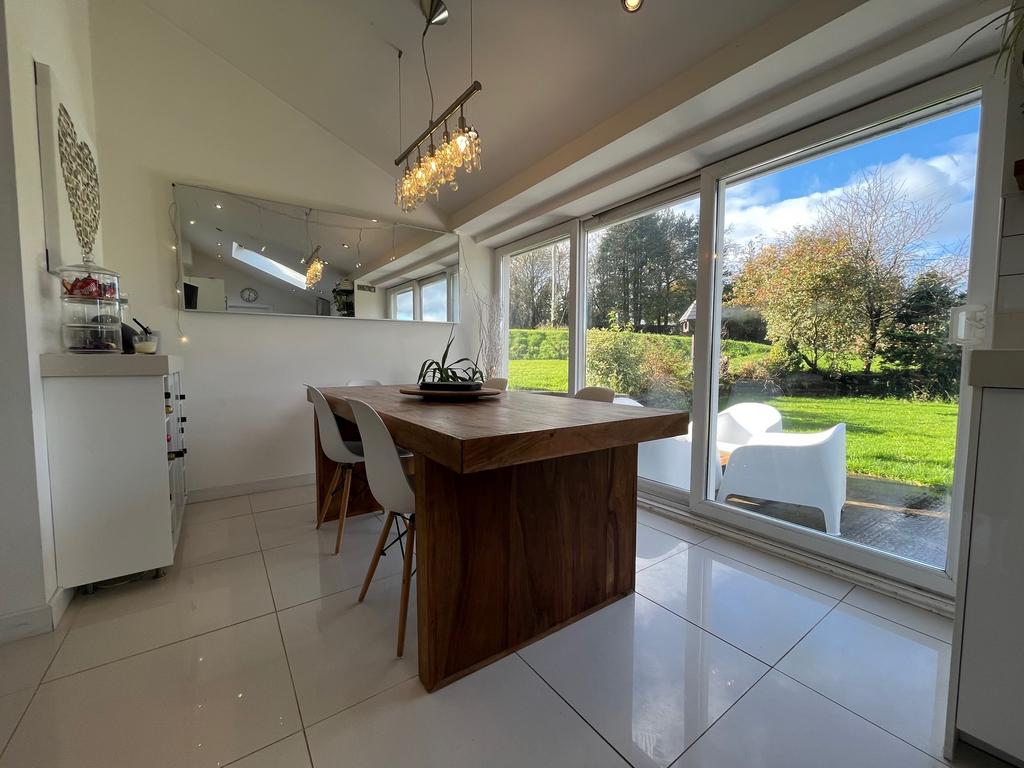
(992, 664)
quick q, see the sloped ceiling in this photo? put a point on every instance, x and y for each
(550, 69)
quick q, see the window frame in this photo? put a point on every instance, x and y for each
(450, 276)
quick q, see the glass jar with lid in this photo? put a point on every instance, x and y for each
(90, 312)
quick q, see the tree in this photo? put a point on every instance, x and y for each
(644, 270)
(918, 340)
(799, 285)
(538, 287)
(882, 229)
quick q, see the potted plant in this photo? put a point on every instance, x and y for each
(462, 375)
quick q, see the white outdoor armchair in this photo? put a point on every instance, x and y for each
(739, 423)
(795, 468)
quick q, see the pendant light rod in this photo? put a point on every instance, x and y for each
(439, 121)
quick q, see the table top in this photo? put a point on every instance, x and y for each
(514, 428)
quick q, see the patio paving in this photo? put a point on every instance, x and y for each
(907, 520)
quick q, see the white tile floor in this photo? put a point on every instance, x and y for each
(254, 652)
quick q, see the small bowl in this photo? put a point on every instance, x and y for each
(145, 344)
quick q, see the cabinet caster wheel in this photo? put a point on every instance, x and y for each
(88, 589)
(159, 573)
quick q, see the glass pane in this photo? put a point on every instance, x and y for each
(641, 312)
(837, 389)
(434, 298)
(403, 305)
(538, 337)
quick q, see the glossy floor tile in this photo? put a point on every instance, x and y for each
(807, 577)
(188, 601)
(891, 675)
(285, 497)
(676, 528)
(286, 753)
(309, 569)
(654, 546)
(782, 724)
(278, 527)
(910, 616)
(756, 611)
(12, 707)
(201, 702)
(23, 662)
(218, 509)
(503, 716)
(342, 651)
(216, 540)
(645, 679)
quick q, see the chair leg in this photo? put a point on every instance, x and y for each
(343, 514)
(403, 611)
(329, 496)
(381, 541)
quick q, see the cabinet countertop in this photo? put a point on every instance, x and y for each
(1003, 368)
(69, 364)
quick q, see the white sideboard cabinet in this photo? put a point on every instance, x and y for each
(115, 436)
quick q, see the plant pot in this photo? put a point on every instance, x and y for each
(450, 386)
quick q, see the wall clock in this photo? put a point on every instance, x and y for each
(249, 295)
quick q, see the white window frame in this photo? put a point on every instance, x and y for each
(570, 231)
(879, 116)
(394, 293)
(450, 276)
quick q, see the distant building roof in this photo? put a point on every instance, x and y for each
(690, 313)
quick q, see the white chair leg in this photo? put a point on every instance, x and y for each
(832, 517)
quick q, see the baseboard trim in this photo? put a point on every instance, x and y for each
(35, 621)
(59, 604)
(921, 598)
(256, 486)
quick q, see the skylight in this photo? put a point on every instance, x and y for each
(268, 266)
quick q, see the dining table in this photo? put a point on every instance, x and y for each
(525, 513)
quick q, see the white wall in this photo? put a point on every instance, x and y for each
(169, 109)
(54, 32)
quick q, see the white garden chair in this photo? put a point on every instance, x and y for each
(795, 468)
(667, 460)
(738, 423)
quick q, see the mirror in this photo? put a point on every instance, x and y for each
(245, 255)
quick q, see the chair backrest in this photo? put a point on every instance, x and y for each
(496, 383)
(330, 436)
(599, 394)
(363, 383)
(384, 472)
(738, 423)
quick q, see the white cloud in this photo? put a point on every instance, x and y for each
(754, 208)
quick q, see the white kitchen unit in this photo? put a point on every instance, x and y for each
(115, 434)
(986, 705)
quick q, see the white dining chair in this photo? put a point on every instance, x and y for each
(344, 453)
(599, 394)
(393, 489)
(496, 383)
(363, 383)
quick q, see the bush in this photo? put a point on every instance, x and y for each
(538, 344)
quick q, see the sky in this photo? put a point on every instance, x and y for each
(935, 161)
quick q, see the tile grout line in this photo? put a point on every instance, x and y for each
(237, 760)
(574, 710)
(363, 700)
(898, 623)
(861, 717)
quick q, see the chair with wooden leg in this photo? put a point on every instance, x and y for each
(345, 453)
(393, 489)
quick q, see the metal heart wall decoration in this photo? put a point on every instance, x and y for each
(80, 179)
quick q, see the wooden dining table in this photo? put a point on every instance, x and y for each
(525, 514)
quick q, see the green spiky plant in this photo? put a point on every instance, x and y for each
(461, 371)
(1011, 27)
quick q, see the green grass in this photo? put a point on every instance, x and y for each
(907, 440)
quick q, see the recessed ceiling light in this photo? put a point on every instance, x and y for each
(219, 256)
(359, 265)
(344, 245)
(373, 220)
(632, 6)
(219, 205)
(191, 221)
(263, 249)
(174, 247)
(218, 245)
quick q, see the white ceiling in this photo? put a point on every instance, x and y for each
(582, 105)
(550, 69)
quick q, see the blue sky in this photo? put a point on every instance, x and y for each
(935, 160)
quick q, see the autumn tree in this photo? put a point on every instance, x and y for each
(798, 284)
(882, 229)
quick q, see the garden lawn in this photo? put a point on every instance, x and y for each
(907, 440)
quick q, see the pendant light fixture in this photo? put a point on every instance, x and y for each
(437, 165)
